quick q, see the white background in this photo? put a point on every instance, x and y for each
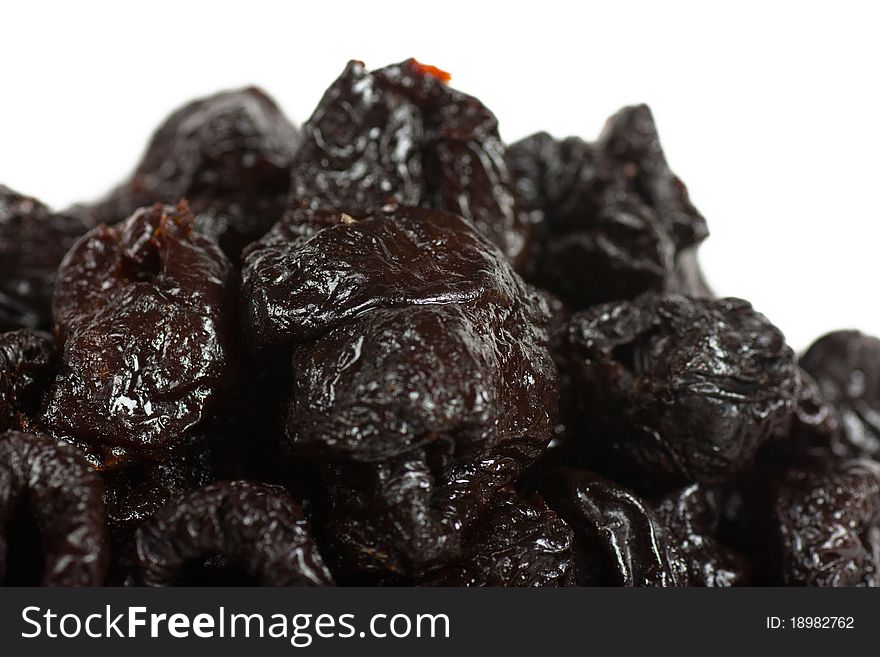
(770, 112)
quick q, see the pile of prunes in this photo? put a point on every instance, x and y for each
(388, 349)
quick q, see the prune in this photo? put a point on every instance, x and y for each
(27, 365)
(401, 135)
(33, 240)
(670, 390)
(846, 366)
(51, 515)
(688, 520)
(612, 220)
(616, 536)
(817, 525)
(229, 155)
(516, 543)
(145, 318)
(234, 529)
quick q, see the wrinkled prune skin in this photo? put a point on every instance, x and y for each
(846, 367)
(814, 524)
(670, 390)
(145, 319)
(515, 543)
(49, 494)
(616, 533)
(229, 155)
(401, 135)
(688, 520)
(247, 527)
(611, 219)
(33, 240)
(27, 366)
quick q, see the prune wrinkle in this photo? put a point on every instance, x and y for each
(252, 526)
(62, 496)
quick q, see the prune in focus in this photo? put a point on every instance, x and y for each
(672, 390)
(27, 366)
(617, 541)
(145, 316)
(33, 241)
(516, 543)
(846, 366)
(688, 521)
(51, 515)
(233, 531)
(229, 155)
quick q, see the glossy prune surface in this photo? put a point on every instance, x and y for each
(33, 240)
(145, 319)
(229, 155)
(51, 515)
(675, 389)
(27, 366)
(230, 529)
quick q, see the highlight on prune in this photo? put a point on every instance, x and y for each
(611, 219)
(675, 389)
(51, 515)
(229, 155)
(390, 350)
(145, 318)
(33, 240)
(232, 532)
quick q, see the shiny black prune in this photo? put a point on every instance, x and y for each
(27, 366)
(229, 155)
(612, 220)
(51, 515)
(688, 521)
(515, 543)
(401, 135)
(846, 367)
(33, 240)
(232, 531)
(816, 525)
(668, 390)
(145, 318)
(616, 534)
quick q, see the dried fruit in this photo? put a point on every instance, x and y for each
(27, 365)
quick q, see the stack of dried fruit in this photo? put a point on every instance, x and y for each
(387, 349)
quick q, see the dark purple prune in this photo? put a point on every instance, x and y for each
(145, 317)
(846, 366)
(617, 540)
(27, 366)
(515, 543)
(815, 525)
(226, 532)
(668, 390)
(229, 155)
(401, 135)
(33, 241)
(688, 520)
(51, 515)
(611, 219)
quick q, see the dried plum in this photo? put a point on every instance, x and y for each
(51, 515)
(846, 366)
(229, 155)
(145, 317)
(670, 390)
(611, 219)
(27, 366)
(516, 543)
(33, 240)
(235, 531)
